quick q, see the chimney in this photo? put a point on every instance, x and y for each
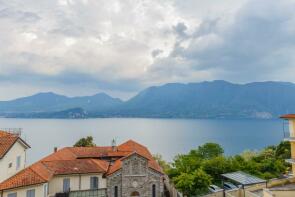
(114, 145)
(55, 149)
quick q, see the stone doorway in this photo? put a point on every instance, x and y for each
(135, 194)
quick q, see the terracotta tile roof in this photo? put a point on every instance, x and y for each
(74, 160)
(43, 171)
(288, 116)
(25, 177)
(77, 166)
(97, 152)
(91, 152)
(132, 146)
(62, 154)
(115, 167)
(123, 150)
(7, 140)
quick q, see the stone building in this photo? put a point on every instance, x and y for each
(125, 170)
(135, 178)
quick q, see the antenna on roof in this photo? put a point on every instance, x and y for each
(14, 131)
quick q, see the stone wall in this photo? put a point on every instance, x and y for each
(112, 181)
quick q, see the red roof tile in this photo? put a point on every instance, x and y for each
(62, 154)
(7, 140)
(24, 178)
(77, 166)
(288, 116)
(115, 167)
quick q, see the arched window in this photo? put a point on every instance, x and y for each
(116, 191)
(154, 190)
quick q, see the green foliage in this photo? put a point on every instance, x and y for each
(194, 183)
(210, 150)
(193, 172)
(283, 150)
(187, 163)
(217, 166)
(248, 154)
(85, 142)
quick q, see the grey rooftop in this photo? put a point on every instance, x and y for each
(243, 178)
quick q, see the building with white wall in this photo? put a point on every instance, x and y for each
(12, 154)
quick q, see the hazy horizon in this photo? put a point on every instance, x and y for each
(134, 94)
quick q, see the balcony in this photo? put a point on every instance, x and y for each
(289, 137)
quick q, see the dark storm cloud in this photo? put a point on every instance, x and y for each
(256, 45)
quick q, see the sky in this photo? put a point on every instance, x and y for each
(82, 47)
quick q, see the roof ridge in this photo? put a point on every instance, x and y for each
(52, 154)
(47, 161)
(70, 149)
(99, 164)
(30, 167)
(132, 141)
(42, 162)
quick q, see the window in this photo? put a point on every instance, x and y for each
(31, 193)
(66, 185)
(154, 190)
(12, 195)
(45, 190)
(116, 191)
(94, 182)
(10, 165)
(18, 162)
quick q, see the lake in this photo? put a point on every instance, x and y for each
(167, 137)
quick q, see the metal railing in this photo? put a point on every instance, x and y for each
(288, 136)
(89, 193)
(15, 131)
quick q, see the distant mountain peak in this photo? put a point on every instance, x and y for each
(208, 99)
(46, 94)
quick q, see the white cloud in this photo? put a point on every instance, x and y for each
(124, 46)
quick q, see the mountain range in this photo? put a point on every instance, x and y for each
(215, 99)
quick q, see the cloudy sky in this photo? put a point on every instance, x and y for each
(81, 47)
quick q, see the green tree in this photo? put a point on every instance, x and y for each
(85, 142)
(186, 163)
(191, 184)
(283, 150)
(210, 150)
(217, 166)
(186, 170)
(248, 155)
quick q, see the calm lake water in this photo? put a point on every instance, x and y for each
(167, 137)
